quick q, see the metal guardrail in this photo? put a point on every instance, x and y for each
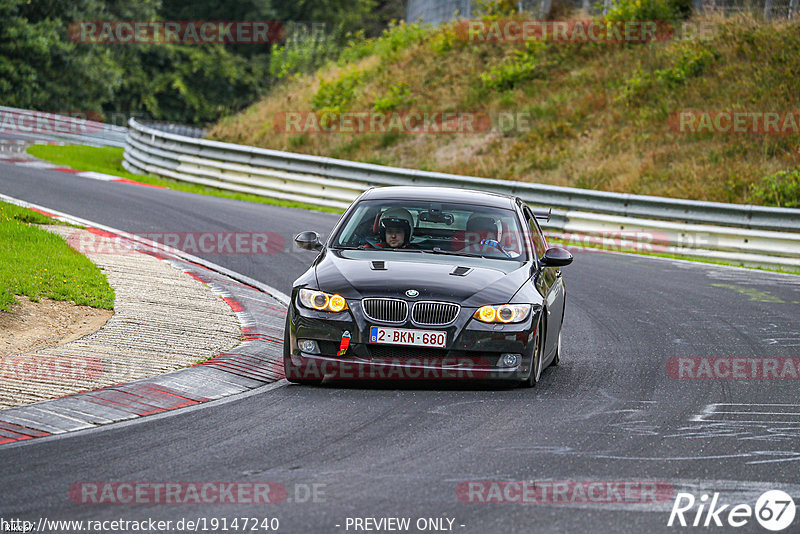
(733, 229)
(440, 11)
(43, 126)
(178, 129)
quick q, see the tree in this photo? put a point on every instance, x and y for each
(40, 68)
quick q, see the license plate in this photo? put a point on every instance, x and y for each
(402, 336)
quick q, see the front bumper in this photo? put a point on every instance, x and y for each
(473, 349)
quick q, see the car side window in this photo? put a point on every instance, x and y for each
(539, 244)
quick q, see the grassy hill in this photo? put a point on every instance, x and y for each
(599, 115)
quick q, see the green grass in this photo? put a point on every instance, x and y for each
(108, 160)
(37, 263)
(574, 120)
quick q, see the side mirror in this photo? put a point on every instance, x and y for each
(308, 241)
(557, 257)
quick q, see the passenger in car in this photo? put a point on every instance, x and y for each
(480, 229)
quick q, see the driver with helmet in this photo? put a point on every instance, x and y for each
(395, 226)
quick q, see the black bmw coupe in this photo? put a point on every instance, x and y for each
(428, 283)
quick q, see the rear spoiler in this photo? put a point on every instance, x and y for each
(542, 214)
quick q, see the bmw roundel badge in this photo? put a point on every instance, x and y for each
(412, 293)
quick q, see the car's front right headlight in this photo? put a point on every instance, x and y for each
(503, 313)
(321, 301)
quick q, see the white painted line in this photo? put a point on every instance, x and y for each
(752, 404)
(758, 422)
(711, 414)
(97, 176)
(760, 413)
(37, 165)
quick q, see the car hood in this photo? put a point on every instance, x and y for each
(353, 275)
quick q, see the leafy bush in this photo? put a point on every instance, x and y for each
(496, 8)
(302, 52)
(657, 10)
(398, 94)
(523, 65)
(781, 189)
(336, 96)
(691, 62)
(446, 39)
(398, 37)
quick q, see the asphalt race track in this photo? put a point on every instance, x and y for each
(610, 412)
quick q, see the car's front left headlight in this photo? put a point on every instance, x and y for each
(321, 301)
(503, 313)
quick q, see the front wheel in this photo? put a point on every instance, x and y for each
(557, 357)
(536, 360)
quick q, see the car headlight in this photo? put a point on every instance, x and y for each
(503, 313)
(320, 301)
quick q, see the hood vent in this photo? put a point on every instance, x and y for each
(461, 271)
(378, 265)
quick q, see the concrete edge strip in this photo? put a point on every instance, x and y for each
(230, 374)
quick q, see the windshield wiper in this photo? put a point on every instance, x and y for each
(437, 250)
(340, 247)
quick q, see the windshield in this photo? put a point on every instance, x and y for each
(435, 227)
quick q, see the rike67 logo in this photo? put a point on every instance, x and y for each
(774, 510)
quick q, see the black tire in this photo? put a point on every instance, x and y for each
(557, 357)
(289, 369)
(536, 361)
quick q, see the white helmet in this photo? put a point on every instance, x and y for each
(396, 218)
